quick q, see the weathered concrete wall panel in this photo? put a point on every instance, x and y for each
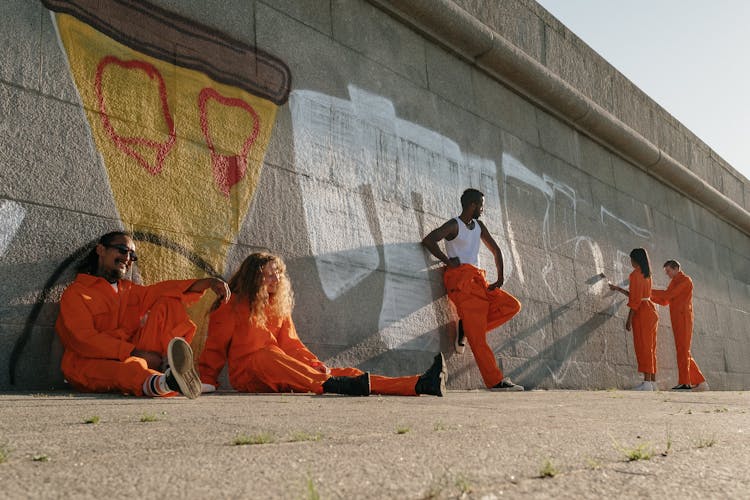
(382, 130)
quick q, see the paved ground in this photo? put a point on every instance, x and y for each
(469, 444)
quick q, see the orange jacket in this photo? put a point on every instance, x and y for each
(233, 335)
(97, 322)
(678, 295)
(640, 288)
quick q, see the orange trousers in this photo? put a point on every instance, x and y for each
(687, 368)
(480, 310)
(272, 370)
(645, 322)
(166, 320)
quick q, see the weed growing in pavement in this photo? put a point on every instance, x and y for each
(148, 417)
(439, 426)
(312, 490)
(669, 443)
(92, 420)
(304, 436)
(402, 430)
(593, 464)
(261, 438)
(463, 485)
(548, 469)
(705, 442)
(40, 458)
(640, 452)
(4, 453)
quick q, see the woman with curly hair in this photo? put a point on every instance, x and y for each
(255, 333)
(642, 318)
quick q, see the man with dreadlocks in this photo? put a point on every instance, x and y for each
(254, 331)
(117, 334)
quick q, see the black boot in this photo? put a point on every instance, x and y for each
(432, 382)
(351, 386)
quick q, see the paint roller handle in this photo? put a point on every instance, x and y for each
(616, 288)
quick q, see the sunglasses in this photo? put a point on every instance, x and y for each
(124, 250)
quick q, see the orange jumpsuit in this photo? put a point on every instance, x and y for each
(679, 297)
(480, 310)
(100, 327)
(271, 358)
(645, 321)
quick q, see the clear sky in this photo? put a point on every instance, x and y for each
(690, 56)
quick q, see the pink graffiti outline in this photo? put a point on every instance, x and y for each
(124, 143)
(227, 170)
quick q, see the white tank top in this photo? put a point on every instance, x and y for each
(465, 245)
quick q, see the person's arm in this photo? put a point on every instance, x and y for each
(75, 325)
(660, 297)
(629, 321)
(221, 329)
(493, 247)
(674, 290)
(187, 291)
(219, 286)
(616, 288)
(448, 230)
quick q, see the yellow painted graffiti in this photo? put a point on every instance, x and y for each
(183, 151)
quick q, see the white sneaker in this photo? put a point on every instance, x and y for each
(703, 386)
(643, 386)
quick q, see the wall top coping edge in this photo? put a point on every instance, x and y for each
(448, 24)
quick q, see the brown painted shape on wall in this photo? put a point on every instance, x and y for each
(159, 33)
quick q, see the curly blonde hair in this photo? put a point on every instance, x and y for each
(247, 284)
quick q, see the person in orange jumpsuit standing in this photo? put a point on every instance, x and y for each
(116, 334)
(254, 331)
(679, 297)
(481, 306)
(642, 318)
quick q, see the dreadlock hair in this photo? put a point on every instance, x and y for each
(247, 284)
(90, 263)
(640, 257)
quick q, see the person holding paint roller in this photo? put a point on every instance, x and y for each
(642, 318)
(481, 306)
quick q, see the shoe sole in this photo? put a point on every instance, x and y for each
(180, 357)
(443, 374)
(369, 386)
(515, 388)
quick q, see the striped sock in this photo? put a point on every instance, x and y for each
(156, 385)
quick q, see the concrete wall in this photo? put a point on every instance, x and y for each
(385, 124)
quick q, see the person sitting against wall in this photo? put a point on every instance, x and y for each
(117, 335)
(642, 318)
(254, 331)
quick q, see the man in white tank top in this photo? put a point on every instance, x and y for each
(481, 306)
